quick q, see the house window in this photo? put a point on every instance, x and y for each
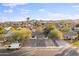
(33, 36)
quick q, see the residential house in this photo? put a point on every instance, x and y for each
(76, 28)
(38, 35)
(6, 29)
(58, 25)
(2, 42)
(8, 34)
(70, 35)
(19, 28)
(29, 26)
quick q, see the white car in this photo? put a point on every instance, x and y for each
(14, 46)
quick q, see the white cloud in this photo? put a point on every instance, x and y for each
(62, 16)
(75, 16)
(24, 11)
(12, 18)
(12, 5)
(8, 11)
(3, 18)
(41, 10)
(55, 14)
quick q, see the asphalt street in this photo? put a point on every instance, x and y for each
(71, 51)
(30, 52)
(39, 48)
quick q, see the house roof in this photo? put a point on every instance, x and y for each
(7, 28)
(8, 34)
(37, 33)
(69, 33)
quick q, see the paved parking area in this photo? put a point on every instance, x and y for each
(39, 43)
(45, 43)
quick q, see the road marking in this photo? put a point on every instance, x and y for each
(69, 51)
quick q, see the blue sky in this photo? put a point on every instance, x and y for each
(45, 11)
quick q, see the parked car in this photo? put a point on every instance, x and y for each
(14, 46)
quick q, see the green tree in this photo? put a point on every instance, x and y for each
(39, 29)
(28, 20)
(65, 26)
(55, 34)
(1, 29)
(48, 28)
(37, 24)
(1, 36)
(19, 35)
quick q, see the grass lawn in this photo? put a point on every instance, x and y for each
(76, 43)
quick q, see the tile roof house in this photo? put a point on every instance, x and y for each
(70, 35)
(76, 28)
(1, 42)
(9, 34)
(29, 26)
(59, 25)
(6, 29)
(38, 35)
